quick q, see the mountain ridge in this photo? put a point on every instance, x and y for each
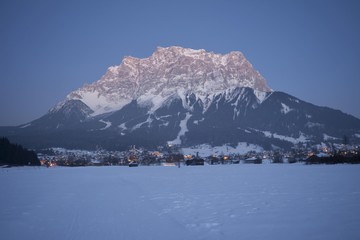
(233, 116)
(166, 71)
(185, 97)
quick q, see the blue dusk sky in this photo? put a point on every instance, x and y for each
(309, 49)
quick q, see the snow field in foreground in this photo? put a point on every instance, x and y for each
(210, 202)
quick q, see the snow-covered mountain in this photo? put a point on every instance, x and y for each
(187, 97)
(166, 72)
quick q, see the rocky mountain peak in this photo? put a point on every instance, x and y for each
(169, 71)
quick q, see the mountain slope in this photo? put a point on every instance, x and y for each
(166, 72)
(235, 115)
(187, 97)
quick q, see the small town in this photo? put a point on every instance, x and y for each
(170, 155)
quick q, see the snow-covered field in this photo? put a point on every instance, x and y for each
(211, 202)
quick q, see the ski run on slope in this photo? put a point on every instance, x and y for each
(183, 130)
(267, 201)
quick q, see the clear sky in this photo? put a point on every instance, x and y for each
(309, 49)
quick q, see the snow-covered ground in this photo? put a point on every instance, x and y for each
(212, 202)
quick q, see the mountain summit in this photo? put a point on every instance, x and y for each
(168, 71)
(186, 97)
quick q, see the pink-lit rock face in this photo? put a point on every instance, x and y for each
(169, 71)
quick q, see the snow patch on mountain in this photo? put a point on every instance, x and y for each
(26, 125)
(261, 96)
(245, 130)
(198, 121)
(328, 137)
(152, 100)
(285, 108)
(183, 130)
(122, 127)
(98, 102)
(139, 125)
(301, 139)
(313, 125)
(108, 124)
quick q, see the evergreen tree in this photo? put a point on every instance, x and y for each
(14, 154)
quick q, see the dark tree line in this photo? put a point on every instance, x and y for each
(14, 154)
(355, 159)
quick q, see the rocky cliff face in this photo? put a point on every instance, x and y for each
(186, 97)
(168, 71)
